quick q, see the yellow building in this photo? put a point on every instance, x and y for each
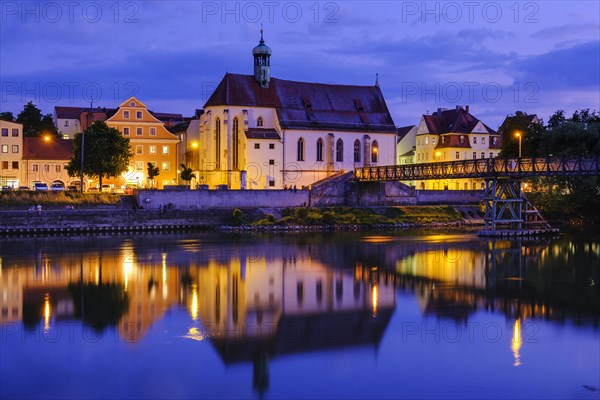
(150, 142)
(454, 135)
(11, 152)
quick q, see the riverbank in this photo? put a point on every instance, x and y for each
(115, 219)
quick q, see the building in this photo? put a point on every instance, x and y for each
(188, 133)
(45, 160)
(452, 135)
(11, 153)
(150, 142)
(259, 132)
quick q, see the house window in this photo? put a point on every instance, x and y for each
(152, 149)
(126, 114)
(5, 132)
(35, 168)
(474, 155)
(491, 155)
(166, 165)
(482, 154)
(139, 131)
(271, 184)
(4, 164)
(426, 140)
(165, 149)
(217, 143)
(271, 162)
(482, 140)
(46, 167)
(139, 165)
(15, 148)
(126, 131)
(474, 139)
(5, 148)
(271, 146)
(319, 149)
(139, 149)
(57, 168)
(443, 139)
(15, 165)
(300, 149)
(66, 123)
(339, 151)
(236, 144)
(461, 139)
(357, 150)
(457, 155)
(433, 141)
(257, 146)
(374, 152)
(138, 114)
(152, 131)
(259, 122)
(494, 140)
(15, 133)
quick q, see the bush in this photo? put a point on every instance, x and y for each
(328, 218)
(237, 217)
(301, 214)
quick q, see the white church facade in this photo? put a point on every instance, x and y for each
(259, 132)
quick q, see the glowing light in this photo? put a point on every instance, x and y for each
(438, 154)
(194, 145)
(195, 334)
(516, 343)
(127, 270)
(194, 305)
(374, 298)
(47, 312)
(47, 138)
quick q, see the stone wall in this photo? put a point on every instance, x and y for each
(449, 196)
(186, 199)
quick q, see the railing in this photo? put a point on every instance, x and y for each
(484, 168)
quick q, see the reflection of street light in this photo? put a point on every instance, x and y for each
(518, 135)
(437, 155)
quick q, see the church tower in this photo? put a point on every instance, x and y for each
(262, 62)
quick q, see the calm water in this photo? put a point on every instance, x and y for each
(401, 315)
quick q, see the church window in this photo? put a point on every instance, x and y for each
(374, 151)
(300, 149)
(357, 150)
(236, 148)
(339, 151)
(319, 149)
(259, 122)
(217, 144)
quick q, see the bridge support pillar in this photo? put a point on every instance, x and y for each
(503, 204)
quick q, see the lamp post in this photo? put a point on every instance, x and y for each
(81, 169)
(518, 135)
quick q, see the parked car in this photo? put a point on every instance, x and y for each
(58, 187)
(24, 188)
(40, 186)
(72, 188)
(107, 189)
(7, 188)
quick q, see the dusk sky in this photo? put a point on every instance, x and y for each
(498, 57)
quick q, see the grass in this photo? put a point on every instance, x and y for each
(363, 216)
(23, 198)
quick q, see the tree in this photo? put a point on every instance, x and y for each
(153, 172)
(556, 119)
(531, 135)
(34, 123)
(187, 174)
(7, 116)
(106, 152)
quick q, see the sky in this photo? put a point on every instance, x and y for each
(496, 56)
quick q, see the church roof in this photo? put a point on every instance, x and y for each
(310, 106)
(262, 133)
(456, 120)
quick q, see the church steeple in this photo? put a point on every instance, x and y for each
(262, 62)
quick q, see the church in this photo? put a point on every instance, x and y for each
(259, 132)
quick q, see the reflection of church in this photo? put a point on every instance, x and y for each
(256, 310)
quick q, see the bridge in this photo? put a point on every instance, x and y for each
(505, 203)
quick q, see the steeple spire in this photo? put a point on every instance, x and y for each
(377, 79)
(262, 41)
(262, 61)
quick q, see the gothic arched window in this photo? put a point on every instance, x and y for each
(319, 149)
(339, 151)
(217, 143)
(235, 152)
(374, 152)
(260, 122)
(301, 149)
(357, 150)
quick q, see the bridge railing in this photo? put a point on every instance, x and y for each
(485, 168)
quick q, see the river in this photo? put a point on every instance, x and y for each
(329, 315)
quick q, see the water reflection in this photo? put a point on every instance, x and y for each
(261, 297)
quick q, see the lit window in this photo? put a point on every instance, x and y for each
(4, 164)
(482, 140)
(139, 165)
(374, 152)
(5, 148)
(433, 141)
(126, 114)
(152, 131)
(426, 140)
(166, 165)
(165, 149)
(494, 140)
(461, 139)
(139, 149)
(15, 148)
(139, 131)
(152, 149)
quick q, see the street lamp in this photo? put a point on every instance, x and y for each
(81, 169)
(518, 135)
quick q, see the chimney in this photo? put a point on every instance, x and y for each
(439, 112)
(467, 108)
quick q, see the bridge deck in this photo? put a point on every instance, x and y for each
(491, 168)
